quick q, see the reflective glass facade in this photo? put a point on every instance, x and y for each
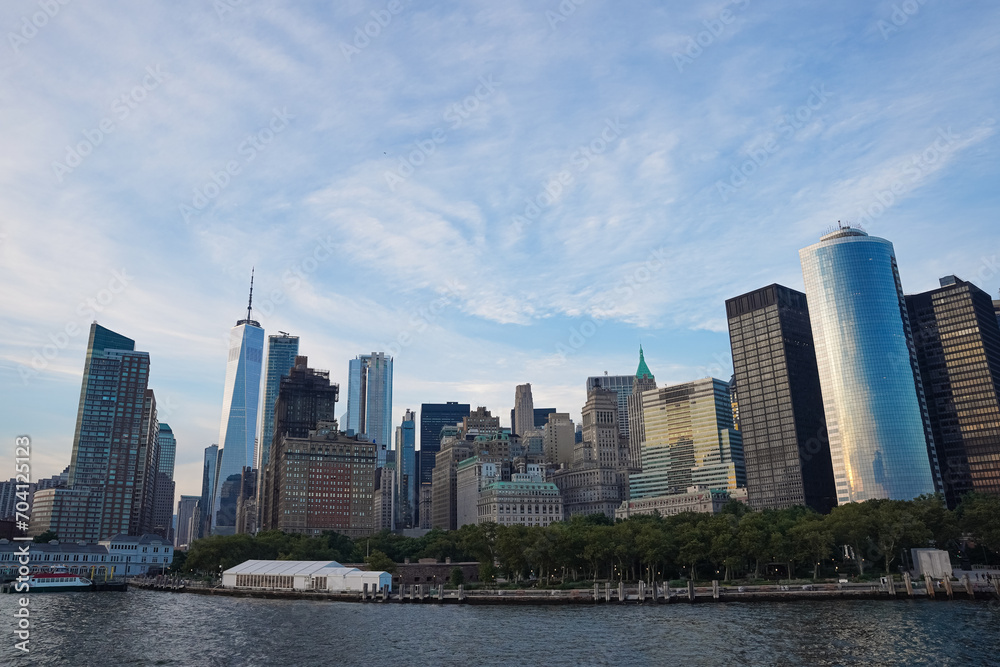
(239, 418)
(880, 441)
(690, 440)
(369, 399)
(281, 353)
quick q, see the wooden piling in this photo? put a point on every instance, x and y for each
(690, 590)
(715, 589)
(908, 582)
(947, 587)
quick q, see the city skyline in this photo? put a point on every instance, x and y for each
(605, 266)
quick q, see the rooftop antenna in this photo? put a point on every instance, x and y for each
(250, 302)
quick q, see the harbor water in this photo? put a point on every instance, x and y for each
(144, 627)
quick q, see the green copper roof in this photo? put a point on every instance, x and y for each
(643, 368)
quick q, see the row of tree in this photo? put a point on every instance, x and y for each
(859, 538)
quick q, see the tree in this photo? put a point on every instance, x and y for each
(45, 537)
(811, 540)
(457, 577)
(378, 561)
(979, 517)
(177, 565)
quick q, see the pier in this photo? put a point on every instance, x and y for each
(610, 593)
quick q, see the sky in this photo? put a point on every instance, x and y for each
(494, 193)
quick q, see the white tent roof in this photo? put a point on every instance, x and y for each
(290, 567)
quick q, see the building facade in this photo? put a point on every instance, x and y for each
(323, 481)
(622, 386)
(591, 489)
(785, 445)
(881, 444)
(165, 488)
(525, 500)
(281, 352)
(958, 351)
(559, 439)
(117, 556)
(690, 440)
(238, 429)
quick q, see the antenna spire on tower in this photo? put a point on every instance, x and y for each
(250, 303)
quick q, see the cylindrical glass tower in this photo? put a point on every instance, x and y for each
(875, 414)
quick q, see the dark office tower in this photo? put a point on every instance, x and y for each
(281, 352)
(541, 416)
(785, 444)
(208, 475)
(434, 417)
(958, 350)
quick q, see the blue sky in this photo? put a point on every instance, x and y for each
(495, 193)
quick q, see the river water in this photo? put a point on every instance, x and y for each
(154, 628)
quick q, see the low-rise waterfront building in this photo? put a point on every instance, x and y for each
(696, 499)
(299, 575)
(121, 555)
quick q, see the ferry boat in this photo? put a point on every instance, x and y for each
(57, 580)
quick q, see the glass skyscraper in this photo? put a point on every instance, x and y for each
(208, 477)
(690, 440)
(239, 417)
(281, 352)
(406, 470)
(876, 416)
(369, 400)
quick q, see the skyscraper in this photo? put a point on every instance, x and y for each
(369, 399)
(524, 410)
(187, 520)
(643, 381)
(784, 435)
(690, 440)
(209, 476)
(238, 430)
(112, 469)
(406, 471)
(281, 352)
(622, 386)
(958, 350)
(876, 416)
(163, 502)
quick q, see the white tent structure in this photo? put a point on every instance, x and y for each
(303, 575)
